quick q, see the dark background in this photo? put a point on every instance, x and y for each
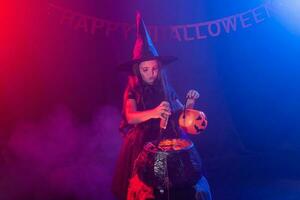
(61, 96)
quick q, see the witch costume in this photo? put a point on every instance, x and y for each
(137, 136)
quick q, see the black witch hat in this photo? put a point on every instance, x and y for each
(144, 49)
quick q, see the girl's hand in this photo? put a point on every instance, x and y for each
(192, 94)
(162, 110)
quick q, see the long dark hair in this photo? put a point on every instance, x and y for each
(136, 82)
(135, 87)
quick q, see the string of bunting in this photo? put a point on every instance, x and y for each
(186, 32)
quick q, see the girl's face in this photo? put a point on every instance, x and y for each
(149, 70)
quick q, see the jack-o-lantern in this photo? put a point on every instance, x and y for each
(193, 121)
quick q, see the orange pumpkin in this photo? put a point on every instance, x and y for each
(193, 121)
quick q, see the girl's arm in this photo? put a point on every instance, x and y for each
(134, 117)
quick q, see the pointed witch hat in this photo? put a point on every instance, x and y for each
(144, 49)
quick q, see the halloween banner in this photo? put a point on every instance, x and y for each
(181, 33)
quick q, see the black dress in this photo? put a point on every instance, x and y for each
(137, 136)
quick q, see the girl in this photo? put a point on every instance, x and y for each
(148, 100)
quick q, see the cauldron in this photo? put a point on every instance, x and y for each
(168, 163)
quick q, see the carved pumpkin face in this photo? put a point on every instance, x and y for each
(193, 121)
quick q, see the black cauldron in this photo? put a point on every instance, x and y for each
(169, 163)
